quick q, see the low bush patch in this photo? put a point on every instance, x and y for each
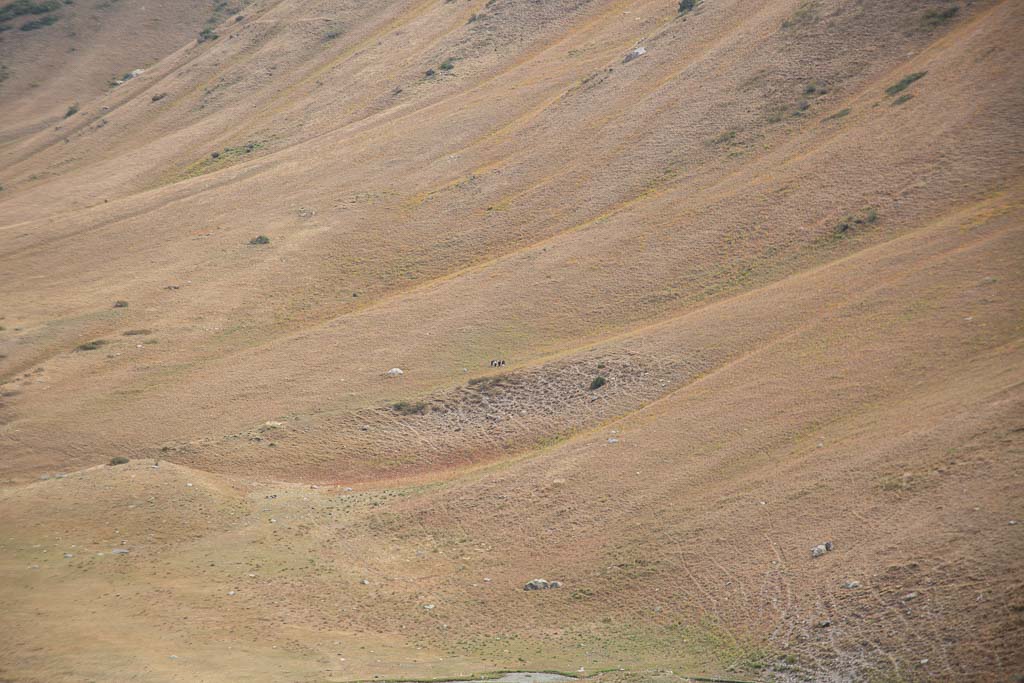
(904, 83)
(409, 408)
(937, 17)
(849, 223)
(91, 346)
(39, 23)
(22, 7)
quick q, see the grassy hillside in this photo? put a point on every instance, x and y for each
(757, 287)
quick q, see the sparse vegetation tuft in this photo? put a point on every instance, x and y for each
(686, 5)
(136, 333)
(905, 97)
(937, 17)
(221, 157)
(905, 82)
(409, 408)
(91, 346)
(806, 13)
(20, 8)
(118, 460)
(121, 304)
(726, 137)
(72, 110)
(838, 115)
(41, 22)
(598, 382)
(207, 34)
(261, 239)
(849, 223)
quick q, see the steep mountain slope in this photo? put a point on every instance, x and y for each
(787, 235)
(56, 54)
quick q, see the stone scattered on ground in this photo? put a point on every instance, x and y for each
(821, 549)
(541, 584)
(633, 54)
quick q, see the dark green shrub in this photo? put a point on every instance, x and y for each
(902, 99)
(39, 23)
(407, 408)
(846, 226)
(725, 137)
(598, 382)
(22, 7)
(838, 115)
(686, 5)
(936, 17)
(91, 346)
(118, 460)
(207, 34)
(806, 13)
(261, 239)
(72, 110)
(121, 304)
(905, 82)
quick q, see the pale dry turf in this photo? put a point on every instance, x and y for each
(758, 287)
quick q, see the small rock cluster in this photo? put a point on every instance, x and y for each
(633, 54)
(821, 549)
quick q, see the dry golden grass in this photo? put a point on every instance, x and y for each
(806, 303)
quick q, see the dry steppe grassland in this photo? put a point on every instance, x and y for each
(755, 269)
